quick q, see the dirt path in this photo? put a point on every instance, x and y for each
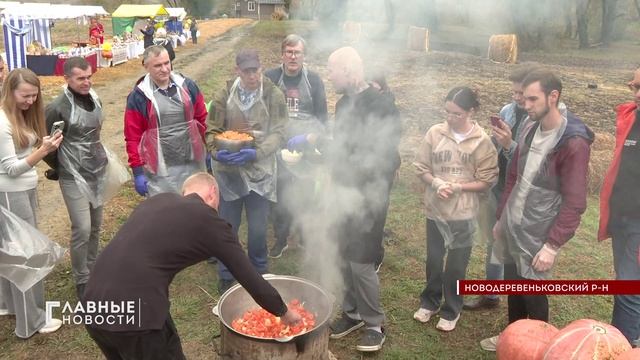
(193, 62)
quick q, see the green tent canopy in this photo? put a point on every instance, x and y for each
(126, 15)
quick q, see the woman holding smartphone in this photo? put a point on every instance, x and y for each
(457, 161)
(23, 143)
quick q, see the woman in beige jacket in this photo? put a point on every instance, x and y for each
(457, 161)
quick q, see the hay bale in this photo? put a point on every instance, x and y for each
(351, 32)
(503, 48)
(418, 39)
(601, 157)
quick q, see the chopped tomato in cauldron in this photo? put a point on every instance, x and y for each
(261, 323)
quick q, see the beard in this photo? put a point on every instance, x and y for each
(539, 116)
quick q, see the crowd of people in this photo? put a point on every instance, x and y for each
(525, 182)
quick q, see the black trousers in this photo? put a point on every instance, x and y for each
(525, 306)
(163, 344)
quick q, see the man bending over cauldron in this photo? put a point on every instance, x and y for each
(164, 234)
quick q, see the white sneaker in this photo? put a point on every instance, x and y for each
(447, 325)
(423, 315)
(4, 312)
(489, 344)
(51, 326)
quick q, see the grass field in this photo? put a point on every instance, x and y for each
(402, 275)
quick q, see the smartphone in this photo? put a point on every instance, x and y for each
(57, 126)
(495, 120)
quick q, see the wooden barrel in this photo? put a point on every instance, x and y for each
(503, 48)
(310, 346)
(418, 39)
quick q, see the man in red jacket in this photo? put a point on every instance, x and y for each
(545, 193)
(620, 212)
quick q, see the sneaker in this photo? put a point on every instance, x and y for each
(447, 325)
(51, 326)
(371, 340)
(277, 250)
(344, 326)
(4, 312)
(481, 302)
(489, 344)
(423, 315)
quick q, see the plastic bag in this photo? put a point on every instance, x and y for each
(26, 254)
(116, 175)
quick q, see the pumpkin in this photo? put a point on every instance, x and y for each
(525, 339)
(107, 54)
(633, 354)
(587, 339)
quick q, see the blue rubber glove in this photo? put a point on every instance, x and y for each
(208, 163)
(224, 156)
(140, 182)
(297, 142)
(244, 156)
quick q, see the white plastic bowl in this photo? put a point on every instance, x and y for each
(291, 157)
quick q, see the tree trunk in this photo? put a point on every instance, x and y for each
(635, 2)
(609, 8)
(390, 13)
(568, 24)
(582, 7)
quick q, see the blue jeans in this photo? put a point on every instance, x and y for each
(257, 209)
(626, 243)
(493, 270)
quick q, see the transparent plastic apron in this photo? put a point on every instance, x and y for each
(301, 121)
(178, 146)
(528, 214)
(457, 232)
(258, 176)
(81, 153)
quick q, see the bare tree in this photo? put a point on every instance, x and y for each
(609, 15)
(582, 15)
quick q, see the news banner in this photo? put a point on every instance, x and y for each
(548, 287)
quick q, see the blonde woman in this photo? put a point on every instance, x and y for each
(457, 161)
(23, 143)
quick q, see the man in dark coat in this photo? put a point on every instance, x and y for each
(164, 235)
(362, 157)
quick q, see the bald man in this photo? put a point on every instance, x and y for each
(620, 212)
(164, 235)
(362, 157)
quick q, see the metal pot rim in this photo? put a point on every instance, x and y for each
(319, 322)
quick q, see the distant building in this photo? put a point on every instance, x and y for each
(257, 9)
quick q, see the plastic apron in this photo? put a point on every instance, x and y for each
(26, 254)
(171, 151)
(301, 121)
(456, 232)
(258, 176)
(81, 154)
(529, 213)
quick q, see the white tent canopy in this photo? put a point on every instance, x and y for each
(179, 13)
(47, 11)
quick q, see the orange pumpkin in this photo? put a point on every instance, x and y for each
(587, 339)
(107, 54)
(525, 340)
(633, 354)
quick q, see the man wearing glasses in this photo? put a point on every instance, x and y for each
(620, 212)
(247, 178)
(307, 104)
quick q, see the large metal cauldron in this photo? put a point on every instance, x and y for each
(313, 344)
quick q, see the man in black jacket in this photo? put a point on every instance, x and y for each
(362, 157)
(80, 164)
(165, 234)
